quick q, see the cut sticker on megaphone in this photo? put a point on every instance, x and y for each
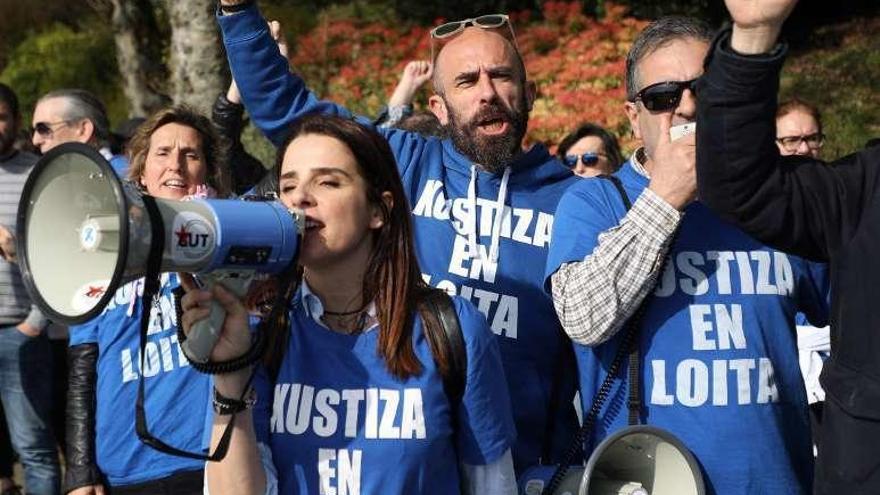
(193, 237)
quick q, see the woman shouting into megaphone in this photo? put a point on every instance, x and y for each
(375, 383)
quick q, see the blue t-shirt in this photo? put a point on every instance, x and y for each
(176, 396)
(717, 343)
(120, 165)
(437, 179)
(337, 417)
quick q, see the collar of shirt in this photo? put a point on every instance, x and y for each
(315, 308)
(106, 153)
(637, 158)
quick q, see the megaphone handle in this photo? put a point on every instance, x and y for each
(204, 333)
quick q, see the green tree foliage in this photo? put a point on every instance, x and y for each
(18, 19)
(60, 57)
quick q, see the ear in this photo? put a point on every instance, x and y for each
(531, 94)
(632, 113)
(438, 108)
(86, 130)
(378, 219)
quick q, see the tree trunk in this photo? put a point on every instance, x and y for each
(138, 53)
(198, 70)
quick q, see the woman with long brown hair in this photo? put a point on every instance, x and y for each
(352, 396)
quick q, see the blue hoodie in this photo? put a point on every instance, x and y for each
(464, 245)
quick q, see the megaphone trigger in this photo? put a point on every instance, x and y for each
(203, 335)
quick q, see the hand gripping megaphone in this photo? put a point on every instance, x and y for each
(82, 233)
(637, 460)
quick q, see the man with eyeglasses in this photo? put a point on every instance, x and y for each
(828, 213)
(799, 129)
(74, 115)
(25, 354)
(715, 332)
(482, 206)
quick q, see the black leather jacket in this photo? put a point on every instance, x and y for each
(246, 171)
(82, 470)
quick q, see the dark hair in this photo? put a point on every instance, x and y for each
(7, 95)
(424, 123)
(609, 142)
(393, 278)
(658, 34)
(83, 105)
(139, 145)
(794, 104)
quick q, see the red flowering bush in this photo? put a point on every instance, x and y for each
(576, 61)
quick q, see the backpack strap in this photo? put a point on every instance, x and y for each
(438, 305)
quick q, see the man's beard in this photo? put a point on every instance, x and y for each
(492, 153)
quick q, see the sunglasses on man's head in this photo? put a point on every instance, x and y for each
(587, 159)
(450, 29)
(664, 96)
(492, 21)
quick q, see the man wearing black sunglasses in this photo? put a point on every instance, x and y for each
(482, 206)
(801, 205)
(715, 335)
(74, 115)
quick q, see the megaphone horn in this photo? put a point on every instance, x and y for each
(642, 460)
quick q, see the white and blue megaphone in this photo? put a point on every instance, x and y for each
(82, 233)
(636, 460)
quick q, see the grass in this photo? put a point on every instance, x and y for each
(839, 72)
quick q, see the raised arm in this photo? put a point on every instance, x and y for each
(272, 94)
(798, 205)
(415, 75)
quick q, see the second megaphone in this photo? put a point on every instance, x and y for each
(82, 233)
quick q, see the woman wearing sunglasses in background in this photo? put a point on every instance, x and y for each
(350, 398)
(590, 151)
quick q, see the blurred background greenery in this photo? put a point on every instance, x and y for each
(49, 44)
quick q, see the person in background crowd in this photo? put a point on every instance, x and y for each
(121, 136)
(25, 354)
(800, 205)
(7, 459)
(424, 123)
(799, 133)
(482, 206)
(74, 115)
(355, 327)
(247, 173)
(590, 151)
(415, 75)
(799, 129)
(174, 154)
(716, 338)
